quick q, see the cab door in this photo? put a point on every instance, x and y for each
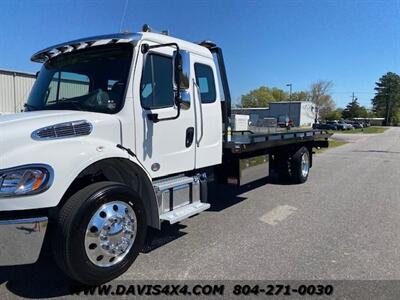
(208, 116)
(164, 147)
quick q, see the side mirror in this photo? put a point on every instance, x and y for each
(181, 73)
(181, 64)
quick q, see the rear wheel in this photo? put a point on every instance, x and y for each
(300, 164)
(99, 232)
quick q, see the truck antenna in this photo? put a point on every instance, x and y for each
(123, 16)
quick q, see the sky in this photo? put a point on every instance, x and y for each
(271, 42)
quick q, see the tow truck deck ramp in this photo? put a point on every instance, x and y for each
(247, 141)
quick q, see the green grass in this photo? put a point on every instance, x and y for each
(332, 144)
(372, 129)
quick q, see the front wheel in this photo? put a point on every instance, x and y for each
(99, 232)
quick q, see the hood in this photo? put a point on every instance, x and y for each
(38, 116)
(16, 129)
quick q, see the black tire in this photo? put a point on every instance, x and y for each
(296, 166)
(68, 236)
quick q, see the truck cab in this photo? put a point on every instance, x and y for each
(120, 133)
(127, 108)
(114, 76)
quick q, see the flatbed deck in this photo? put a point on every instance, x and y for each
(248, 141)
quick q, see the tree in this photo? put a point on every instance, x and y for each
(371, 114)
(364, 113)
(262, 96)
(320, 96)
(335, 114)
(386, 103)
(354, 110)
(301, 96)
(278, 94)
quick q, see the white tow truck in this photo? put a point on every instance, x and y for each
(120, 133)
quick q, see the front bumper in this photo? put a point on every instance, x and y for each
(21, 240)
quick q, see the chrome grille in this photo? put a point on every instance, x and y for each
(63, 130)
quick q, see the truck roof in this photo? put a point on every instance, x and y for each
(116, 38)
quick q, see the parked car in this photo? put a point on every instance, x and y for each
(336, 125)
(358, 125)
(346, 126)
(341, 125)
(355, 124)
(324, 126)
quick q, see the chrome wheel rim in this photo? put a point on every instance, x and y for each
(305, 164)
(110, 234)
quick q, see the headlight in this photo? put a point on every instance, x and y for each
(25, 180)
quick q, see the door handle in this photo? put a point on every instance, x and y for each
(189, 136)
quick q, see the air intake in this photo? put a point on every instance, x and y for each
(63, 130)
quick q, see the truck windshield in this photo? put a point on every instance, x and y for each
(93, 79)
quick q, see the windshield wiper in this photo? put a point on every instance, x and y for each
(30, 107)
(77, 105)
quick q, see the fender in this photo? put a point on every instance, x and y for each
(122, 170)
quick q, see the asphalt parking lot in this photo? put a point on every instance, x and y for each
(342, 224)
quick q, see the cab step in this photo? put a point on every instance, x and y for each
(184, 212)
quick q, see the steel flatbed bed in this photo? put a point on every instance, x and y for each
(247, 141)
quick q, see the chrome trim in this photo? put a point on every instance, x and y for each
(305, 164)
(184, 83)
(185, 100)
(22, 221)
(21, 240)
(47, 185)
(110, 234)
(55, 130)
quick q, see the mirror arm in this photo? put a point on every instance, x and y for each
(146, 47)
(154, 117)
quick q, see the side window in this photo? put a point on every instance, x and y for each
(156, 87)
(65, 85)
(205, 81)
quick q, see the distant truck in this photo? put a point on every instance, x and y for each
(123, 132)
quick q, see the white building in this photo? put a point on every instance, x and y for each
(14, 90)
(301, 112)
